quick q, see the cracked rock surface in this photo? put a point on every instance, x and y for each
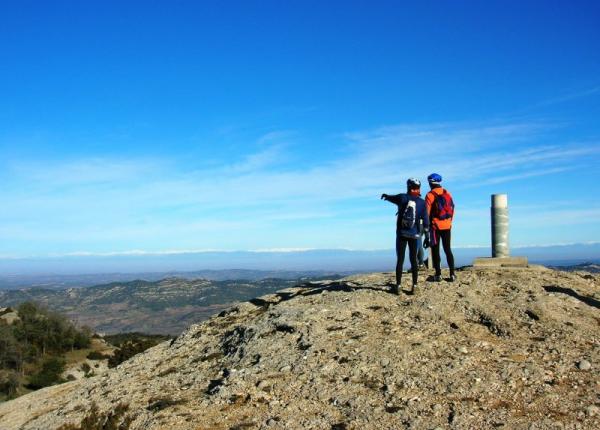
(498, 349)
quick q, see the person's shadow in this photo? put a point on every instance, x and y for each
(431, 278)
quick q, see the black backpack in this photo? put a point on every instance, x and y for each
(409, 215)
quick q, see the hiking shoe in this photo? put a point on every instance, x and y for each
(437, 278)
(452, 278)
(395, 289)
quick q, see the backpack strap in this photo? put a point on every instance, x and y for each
(436, 195)
(432, 193)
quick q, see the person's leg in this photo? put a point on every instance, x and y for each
(435, 254)
(400, 250)
(412, 252)
(446, 237)
(420, 251)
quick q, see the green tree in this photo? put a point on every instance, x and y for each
(42, 331)
(11, 355)
(83, 338)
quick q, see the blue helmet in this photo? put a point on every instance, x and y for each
(434, 179)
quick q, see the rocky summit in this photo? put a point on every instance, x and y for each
(497, 349)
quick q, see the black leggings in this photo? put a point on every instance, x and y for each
(445, 237)
(412, 252)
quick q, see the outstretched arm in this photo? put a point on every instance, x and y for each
(392, 198)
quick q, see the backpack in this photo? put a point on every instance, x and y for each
(409, 216)
(443, 206)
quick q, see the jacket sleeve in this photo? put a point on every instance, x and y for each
(425, 219)
(396, 199)
(428, 201)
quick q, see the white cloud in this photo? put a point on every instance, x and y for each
(520, 176)
(374, 161)
(146, 200)
(569, 97)
(83, 171)
(265, 158)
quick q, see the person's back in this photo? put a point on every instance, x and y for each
(434, 199)
(440, 208)
(409, 219)
(412, 212)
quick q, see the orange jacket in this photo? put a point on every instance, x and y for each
(439, 224)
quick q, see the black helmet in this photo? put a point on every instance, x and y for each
(413, 184)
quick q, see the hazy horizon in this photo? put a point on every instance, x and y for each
(290, 260)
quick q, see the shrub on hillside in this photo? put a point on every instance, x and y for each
(95, 355)
(49, 374)
(126, 351)
(95, 420)
(85, 368)
(130, 344)
(135, 337)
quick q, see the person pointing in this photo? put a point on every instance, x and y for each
(411, 213)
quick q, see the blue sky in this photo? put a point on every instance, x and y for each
(166, 126)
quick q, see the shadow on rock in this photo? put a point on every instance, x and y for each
(569, 292)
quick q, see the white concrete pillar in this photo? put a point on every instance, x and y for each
(499, 212)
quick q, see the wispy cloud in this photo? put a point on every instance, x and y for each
(261, 198)
(592, 91)
(375, 160)
(263, 159)
(524, 175)
(83, 171)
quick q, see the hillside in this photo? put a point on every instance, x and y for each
(167, 306)
(498, 349)
(582, 267)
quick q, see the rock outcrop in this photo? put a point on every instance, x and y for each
(497, 349)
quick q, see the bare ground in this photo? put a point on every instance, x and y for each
(498, 349)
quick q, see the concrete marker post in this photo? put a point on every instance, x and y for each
(500, 246)
(499, 213)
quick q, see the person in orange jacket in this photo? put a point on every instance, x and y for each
(440, 208)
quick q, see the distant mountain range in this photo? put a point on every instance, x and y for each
(60, 281)
(162, 307)
(584, 267)
(323, 260)
(168, 305)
